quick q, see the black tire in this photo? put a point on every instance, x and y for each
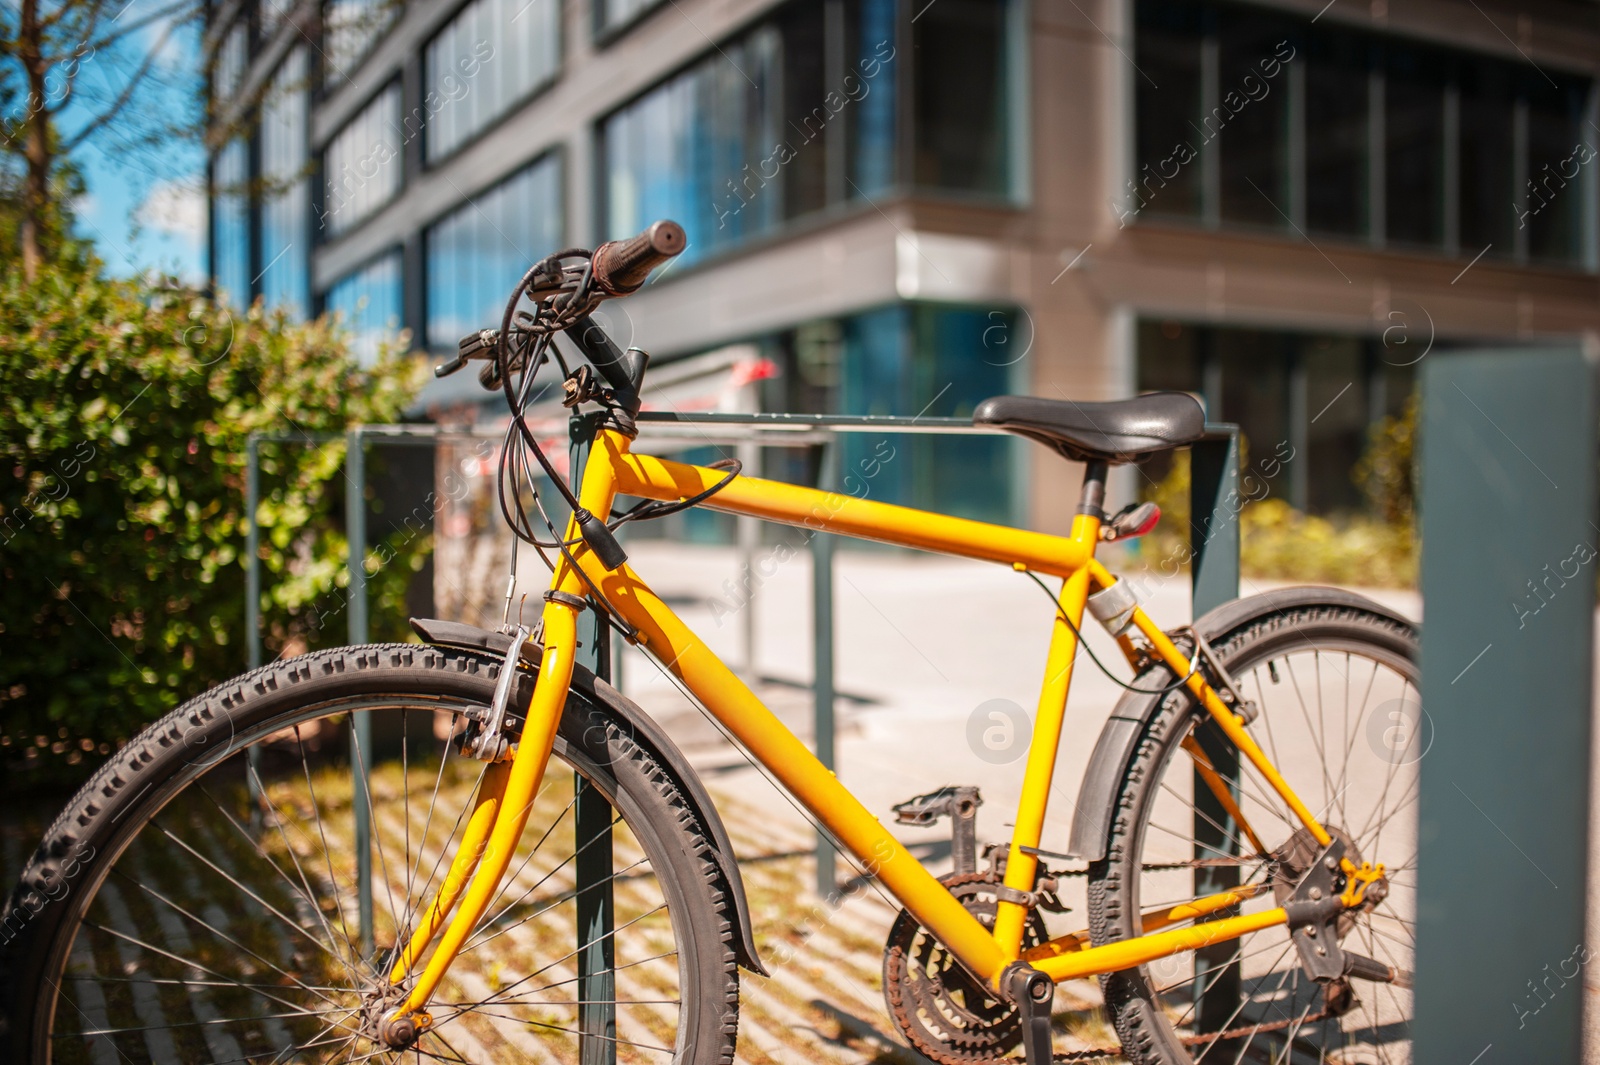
(1159, 1009)
(187, 955)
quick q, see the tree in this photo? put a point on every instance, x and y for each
(52, 109)
(124, 411)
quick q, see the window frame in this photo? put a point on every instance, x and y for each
(324, 235)
(325, 88)
(420, 340)
(510, 108)
(1377, 235)
(395, 249)
(604, 36)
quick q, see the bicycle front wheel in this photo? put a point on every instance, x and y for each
(1340, 717)
(199, 901)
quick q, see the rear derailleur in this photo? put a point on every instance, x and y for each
(1320, 917)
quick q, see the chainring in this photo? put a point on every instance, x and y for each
(945, 1012)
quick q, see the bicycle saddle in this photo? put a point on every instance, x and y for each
(1120, 431)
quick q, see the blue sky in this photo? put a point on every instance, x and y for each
(145, 210)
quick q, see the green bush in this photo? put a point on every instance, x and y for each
(124, 410)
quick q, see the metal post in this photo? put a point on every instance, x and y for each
(822, 640)
(1214, 576)
(252, 549)
(252, 599)
(1508, 576)
(592, 837)
(355, 525)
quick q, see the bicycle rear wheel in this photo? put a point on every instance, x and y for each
(196, 901)
(1341, 718)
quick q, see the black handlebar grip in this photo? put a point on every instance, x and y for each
(621, 266)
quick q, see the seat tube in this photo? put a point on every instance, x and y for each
(1021, 867)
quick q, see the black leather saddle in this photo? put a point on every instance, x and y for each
(1123, 430)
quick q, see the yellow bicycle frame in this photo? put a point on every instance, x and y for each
(506, 794)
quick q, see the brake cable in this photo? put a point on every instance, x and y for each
(1062, 614)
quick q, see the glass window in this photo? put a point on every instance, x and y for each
(869, 85)
(958, 364)
(1386, 182)
(695, 149)
(1558, 152)
(754, 133)
(232, 58)
(1249, 120)
(285, 191)
(368, 301)
(1336, 113)
(1488, 157)
(925, 359)
(805, 178)
(364, 163)
(962, 108)
(1316, 393)
(488, 58)
(1413, 115)
(478, 251)
(272, 15)
(1255, 385)
(230, 219)
(349, 29)
(614, 14)
(1167, 84)
(1336, 426)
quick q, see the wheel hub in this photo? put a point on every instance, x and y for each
(1295, 857)
(383, 1022)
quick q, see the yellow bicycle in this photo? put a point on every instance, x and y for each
(552, 882)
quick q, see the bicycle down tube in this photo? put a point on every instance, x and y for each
(613, 470)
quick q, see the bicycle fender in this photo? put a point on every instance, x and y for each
(1113, 751)
(471, 638)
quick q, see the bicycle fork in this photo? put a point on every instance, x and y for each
(506, 792)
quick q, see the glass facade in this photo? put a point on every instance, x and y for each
(477, 252)
(611, 15)
(1247, 119)
(962, 129)
(1309, 396)
(665, 153)
(272, 14)
(759, 132)
(910, 359)
(369, 303)
(230, 221)
(285, 190)
(489, 57)
(233, 57)
(349, 30)
(364, 164)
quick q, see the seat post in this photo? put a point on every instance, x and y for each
(1092, 501)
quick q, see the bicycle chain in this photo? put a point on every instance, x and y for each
(1100, 1053)
(1113, 1053)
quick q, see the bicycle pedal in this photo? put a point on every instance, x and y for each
(960, 804)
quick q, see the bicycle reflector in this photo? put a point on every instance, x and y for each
(1133, 520)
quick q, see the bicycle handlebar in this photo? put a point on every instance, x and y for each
(621, 266)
